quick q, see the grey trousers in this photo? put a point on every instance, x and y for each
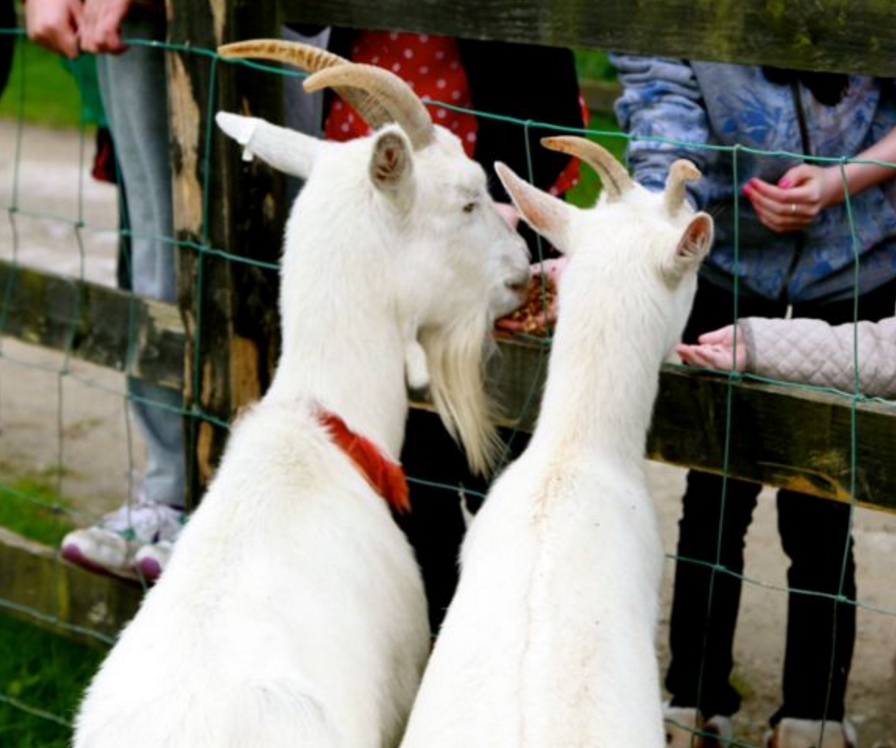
(133, 87)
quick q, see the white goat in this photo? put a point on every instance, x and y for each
(292, 612)
(549, 641)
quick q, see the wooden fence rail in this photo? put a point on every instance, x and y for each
(781, 436)
(856, 36)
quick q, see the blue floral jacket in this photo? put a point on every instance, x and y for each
(721, 105)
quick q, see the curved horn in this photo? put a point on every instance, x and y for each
(312, 59)
(388, 89)
(613, 175)
(680, 172)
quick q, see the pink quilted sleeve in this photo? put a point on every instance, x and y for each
(817, 353)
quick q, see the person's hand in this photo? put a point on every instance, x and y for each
(715, 350)
(531, 317)
(101, 26)
(54, 24)
(798, 197)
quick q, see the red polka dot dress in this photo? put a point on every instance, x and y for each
(431, 65)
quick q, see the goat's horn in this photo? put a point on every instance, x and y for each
(388, 90)
(615, 179)
(312, 59)
(680, 172)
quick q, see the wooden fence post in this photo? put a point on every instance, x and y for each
(226, 205)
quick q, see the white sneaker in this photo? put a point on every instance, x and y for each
(809, 733)
(109, 547)
(686, 728)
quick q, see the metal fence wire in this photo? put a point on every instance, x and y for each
(52, 406)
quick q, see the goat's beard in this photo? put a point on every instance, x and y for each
(456, 357)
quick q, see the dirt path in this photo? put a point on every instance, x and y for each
(57, 413)
(80, 417)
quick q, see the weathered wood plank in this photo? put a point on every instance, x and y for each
(837, 35)
(230, 308)
(38, 587)
(94, 323)
(780, 435)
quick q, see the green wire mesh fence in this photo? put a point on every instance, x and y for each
(44, 675)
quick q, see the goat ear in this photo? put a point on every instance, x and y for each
(548, 215)
(697, 239)
(693, 245)
(392, 164)
(286, 150)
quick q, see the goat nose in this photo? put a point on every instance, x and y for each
(519, 282)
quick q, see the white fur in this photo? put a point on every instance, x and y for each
(292, 612)
(550, 639)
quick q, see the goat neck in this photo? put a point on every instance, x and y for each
(603, 370)
(343, 342)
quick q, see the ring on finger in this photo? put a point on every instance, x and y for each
(793, 209)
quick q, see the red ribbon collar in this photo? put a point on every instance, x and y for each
(384, 475)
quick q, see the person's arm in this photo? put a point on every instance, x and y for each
(804, 350)
(54, 24)
(806, 190)
(661, 98)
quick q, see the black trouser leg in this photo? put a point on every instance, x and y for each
(706, 600)
(820, 630)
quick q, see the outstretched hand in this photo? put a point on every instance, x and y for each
(798, 197)
(715, 350)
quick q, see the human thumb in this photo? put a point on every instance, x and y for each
(721, 336)
(795, 176)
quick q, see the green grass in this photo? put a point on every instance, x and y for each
(45, 672)
(30, 507)
(38, 669)
(41, 90)
(594, 65)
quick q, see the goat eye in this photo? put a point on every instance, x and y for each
(469, 207)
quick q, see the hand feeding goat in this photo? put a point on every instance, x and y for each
(549, 640)
(292, 612)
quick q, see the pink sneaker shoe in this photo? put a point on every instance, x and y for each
(150, 560)
(109, 547)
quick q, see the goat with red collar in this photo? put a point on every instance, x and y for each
(292, 612)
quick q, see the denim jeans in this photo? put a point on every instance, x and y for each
(134, 91)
